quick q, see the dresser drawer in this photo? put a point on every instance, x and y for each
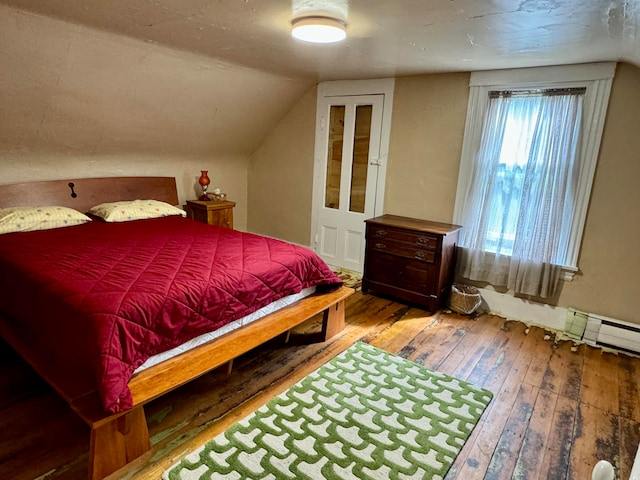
(400, 272)
(402, 250)
(418, 239)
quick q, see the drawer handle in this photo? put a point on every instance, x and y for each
(421, 255)
(380, 246)
(422, 240)
(381, 233)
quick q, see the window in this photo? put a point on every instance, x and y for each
(529, 154)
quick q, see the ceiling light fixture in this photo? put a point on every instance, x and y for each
(319, 29)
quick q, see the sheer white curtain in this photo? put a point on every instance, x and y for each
(518, 209)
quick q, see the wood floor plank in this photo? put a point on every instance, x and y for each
(434, 343)
(629, 444)
(556, 456)
(401, 332)
(536, 438)
(478, 335)
(599, 386)
(31, 446)
(544, 350)
(511, 441)
(498, 376)
(564, 370)
(496, 364)
(596, 438)
(491, 359)
(628, 387)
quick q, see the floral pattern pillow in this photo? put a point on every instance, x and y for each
(25, 219)
(134, 210)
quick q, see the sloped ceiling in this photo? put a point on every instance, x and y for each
(386, 37)
(103, 80)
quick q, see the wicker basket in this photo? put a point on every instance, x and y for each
(464, 299)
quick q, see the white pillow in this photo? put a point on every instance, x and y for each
(25, 219)
(134, 210)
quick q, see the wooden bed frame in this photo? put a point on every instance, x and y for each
(117, 439)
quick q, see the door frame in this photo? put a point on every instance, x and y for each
(343, 88)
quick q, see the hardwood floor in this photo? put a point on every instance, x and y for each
(557, 408)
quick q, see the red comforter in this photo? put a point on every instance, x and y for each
(97, 300)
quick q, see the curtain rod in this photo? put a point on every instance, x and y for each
(545, 92)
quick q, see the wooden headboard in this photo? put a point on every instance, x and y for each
(83, 193)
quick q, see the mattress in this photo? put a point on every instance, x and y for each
(229, 327)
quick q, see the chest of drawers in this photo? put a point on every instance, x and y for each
(410, 259)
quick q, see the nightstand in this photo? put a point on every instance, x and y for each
(212, 212)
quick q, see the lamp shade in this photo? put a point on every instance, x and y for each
(319, 29)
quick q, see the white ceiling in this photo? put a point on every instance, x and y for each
(386, 37)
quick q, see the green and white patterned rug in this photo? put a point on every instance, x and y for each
(366, 414)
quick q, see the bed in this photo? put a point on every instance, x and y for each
(94, 306)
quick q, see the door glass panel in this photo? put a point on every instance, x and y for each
(360, 161)
(334, 157)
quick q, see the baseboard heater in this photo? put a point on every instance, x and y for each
(598, 330)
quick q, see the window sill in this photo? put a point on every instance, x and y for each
(568, 273)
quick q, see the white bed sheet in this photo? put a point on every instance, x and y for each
(207, 337)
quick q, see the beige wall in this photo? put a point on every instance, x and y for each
(281, 176)
(79, 102)
(609, 280)
(426, 141)
(428, 120)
